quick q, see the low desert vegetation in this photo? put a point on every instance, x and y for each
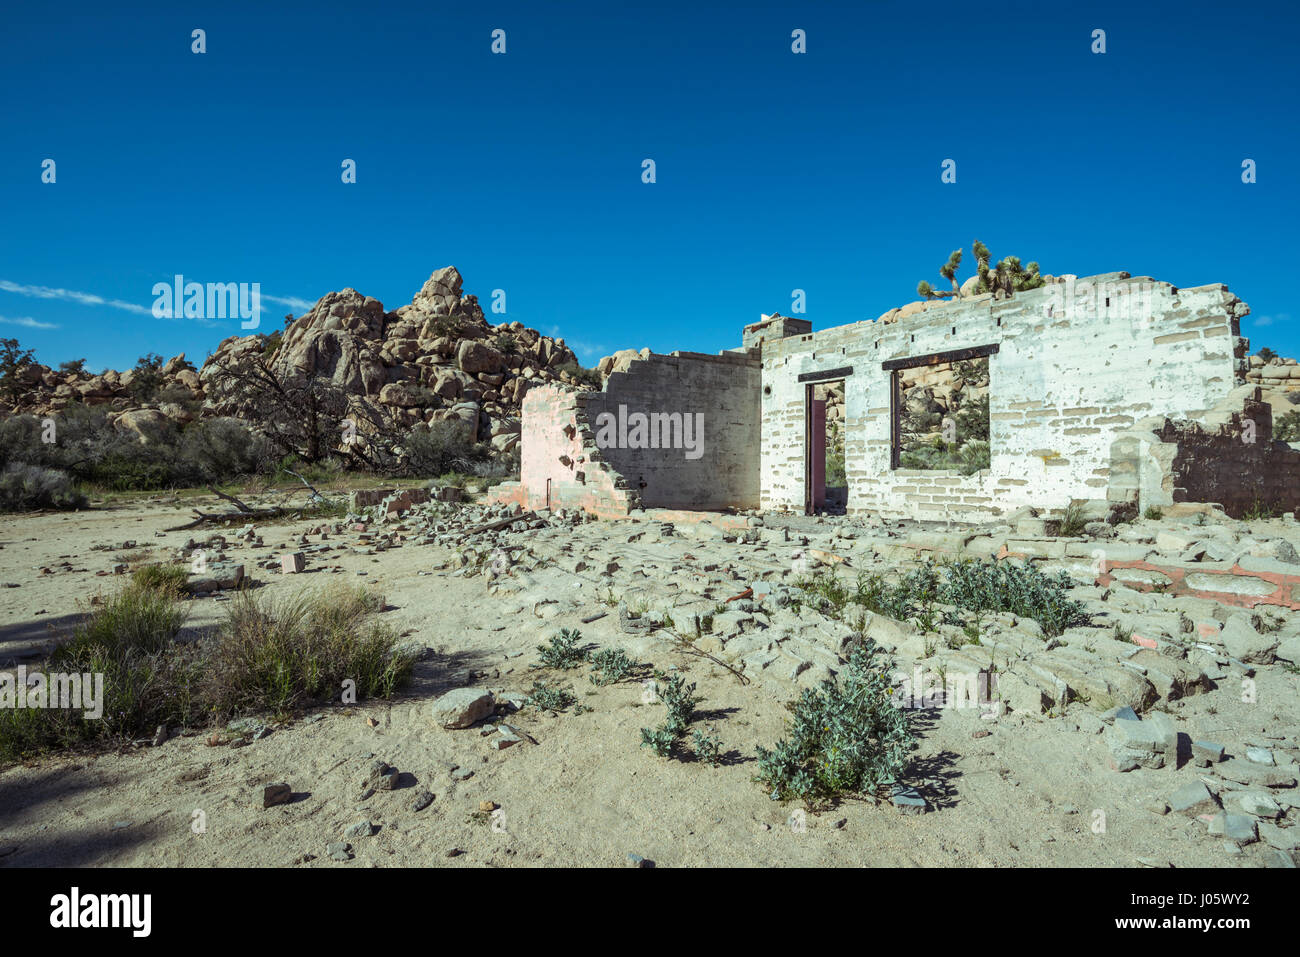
(278, 657)
(55, 462)
(679, 700)
(846, 737)
(980, 587)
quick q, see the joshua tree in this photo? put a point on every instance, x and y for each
(1007, 278)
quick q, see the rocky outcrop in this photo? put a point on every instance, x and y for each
(434, 359)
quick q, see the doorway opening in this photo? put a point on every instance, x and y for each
(826, 479)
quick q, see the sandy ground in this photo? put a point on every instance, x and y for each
(1014, 792)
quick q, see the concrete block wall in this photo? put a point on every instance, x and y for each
(1079, 361)
(1228, 458)
(560, 466)
(725, 390)
(560, 452)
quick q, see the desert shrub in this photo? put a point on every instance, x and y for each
(610, 666)
(505, 343)
(583, 376)
(1072, 522)
(440, 447)
(212, 450)
(165, 577)
(679, 700)
(27, 487)
(846, 736)
(73, 367)
(14, 362)
(1154, 513)
(145, 682)
(281, 655)
(550, 697)
(659, 740)
(564, 650)
(707, 748)
(265, 656)
(148, 377)
(449, 327)
(92, 451)
(1286, 427)
(825, 591)
(983, 586)
(836, 477)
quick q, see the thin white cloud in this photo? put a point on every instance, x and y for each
(297, 305)
(90, 299)
(71, 295)
(27, 322)
(587, 350)
(1270, 319)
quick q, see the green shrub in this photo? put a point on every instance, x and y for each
(983, 586)
(1072, 522)
(161, 576)
(707, 748)
(145, 681)
(264, 657)
(610, 666)
(847, 736)
(564, 650)
(282, 655)
(549, 697)
(1154, 513)
(583, 376)
(1286, 427)
(679, 699)
(441, 447)
(24, 488)
(836, 477)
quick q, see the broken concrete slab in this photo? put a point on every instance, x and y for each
(462, 707)
(1148, 743)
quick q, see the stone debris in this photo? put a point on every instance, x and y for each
(1206, 754)
(463, 707)
(1237, 828)
(1146, 743)
(275, 794)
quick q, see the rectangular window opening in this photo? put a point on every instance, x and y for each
(940, 411)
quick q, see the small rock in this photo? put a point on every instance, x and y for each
(1235, 827)
(1258, 804)
(360, 829)
(1274, 836)
(274, 794)
(1193, 798)
(1205, 753)
(636, 860)
(908, 800)
(339, 851)
(422, 800)
(1151, 743)
(1260, 756)
(463, 707)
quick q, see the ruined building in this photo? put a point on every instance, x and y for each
(1104, 388)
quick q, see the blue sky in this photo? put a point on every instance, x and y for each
(775, 171)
